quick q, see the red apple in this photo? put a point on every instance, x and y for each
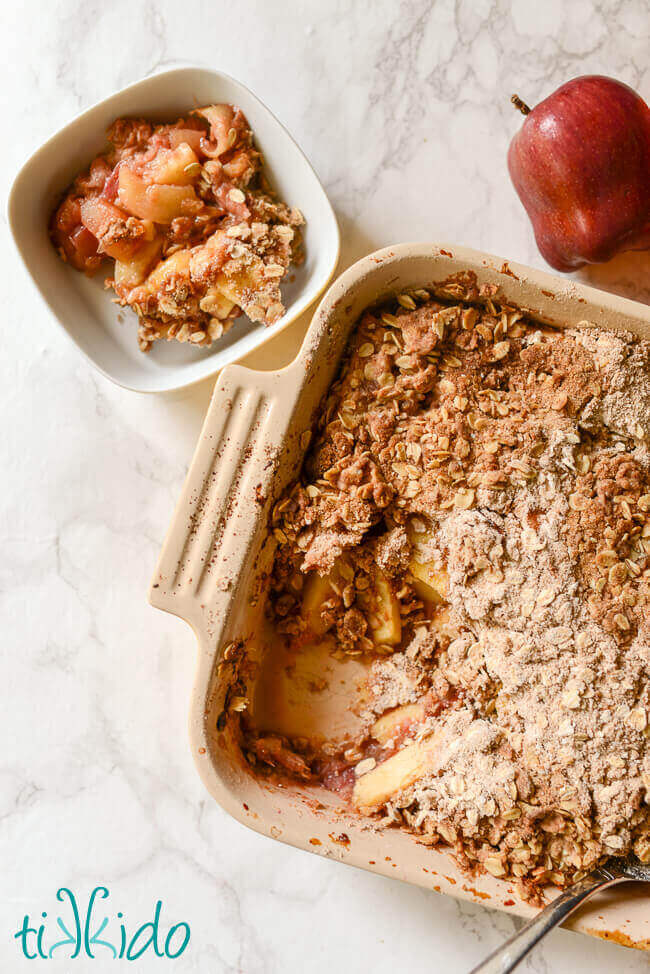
(581, 166)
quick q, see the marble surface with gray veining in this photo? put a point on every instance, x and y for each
(403, 108)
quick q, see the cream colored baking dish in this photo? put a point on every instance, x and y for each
(212, 568)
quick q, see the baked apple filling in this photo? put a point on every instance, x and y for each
(472, 526)
(185, 213)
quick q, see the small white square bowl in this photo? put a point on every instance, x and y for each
(107, 334)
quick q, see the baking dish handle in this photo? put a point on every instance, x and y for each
(227, 487)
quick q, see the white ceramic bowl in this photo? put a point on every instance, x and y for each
(107, 334)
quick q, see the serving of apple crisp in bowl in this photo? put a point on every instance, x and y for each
(188, 218)
(472, 521)
(416, 563)
(183, 210)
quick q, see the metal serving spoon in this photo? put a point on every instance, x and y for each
(614, 871)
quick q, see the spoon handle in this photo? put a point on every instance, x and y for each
(506, 957)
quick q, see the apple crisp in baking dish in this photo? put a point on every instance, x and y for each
(472, 523)
(185, 213)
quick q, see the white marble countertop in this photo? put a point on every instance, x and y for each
(403, 108)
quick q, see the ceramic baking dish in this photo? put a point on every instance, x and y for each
(103, 332)
(212, 567)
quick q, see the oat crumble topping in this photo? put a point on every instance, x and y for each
(473, 517)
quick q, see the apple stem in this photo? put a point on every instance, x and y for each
(521, 105)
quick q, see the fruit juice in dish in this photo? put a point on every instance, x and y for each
(469, 536)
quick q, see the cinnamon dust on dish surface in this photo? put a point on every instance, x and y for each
(513, 460)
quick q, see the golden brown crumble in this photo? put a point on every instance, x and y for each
(473, 516)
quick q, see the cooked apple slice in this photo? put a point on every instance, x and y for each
(419, 537)
(74, 239)
(318, 589)
(375, 788)
(130, 273)
(209, 258)
(388, 725)
(158, 203)
(179, 166)
(431, 584)
(385, 622)
(191, 137)
(175, 267)
(108, 224)
(221, 119)
(216, 304)
(242, 285)
(239, 167)
(98, 215)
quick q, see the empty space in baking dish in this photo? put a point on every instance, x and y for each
(106, 333)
